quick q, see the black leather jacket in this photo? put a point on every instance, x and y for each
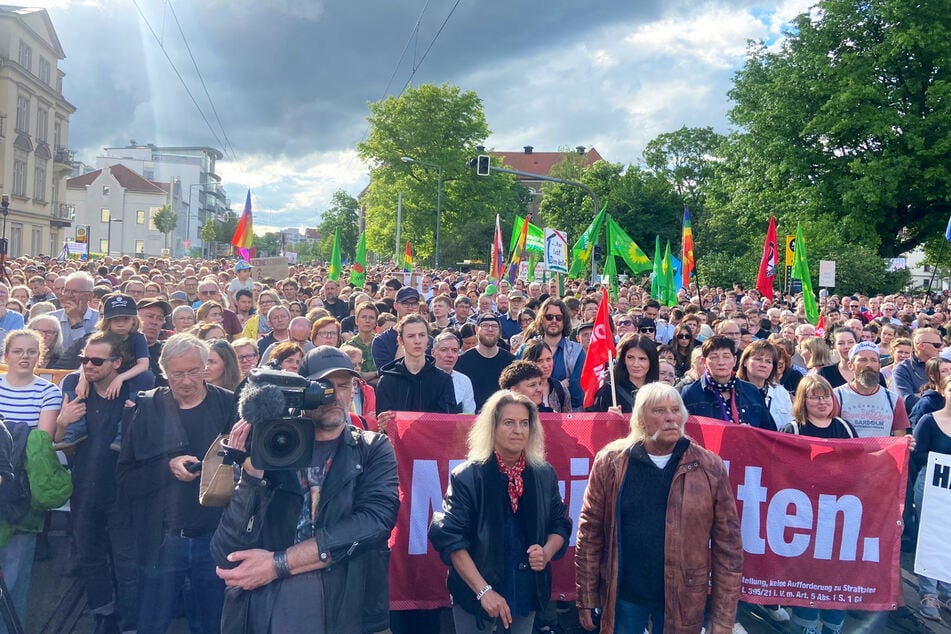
(358, 507)
(473, 518)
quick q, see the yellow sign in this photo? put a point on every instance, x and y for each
(790, 249)
(81, 234)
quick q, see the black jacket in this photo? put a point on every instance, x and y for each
(750, 404)
(473, 519)
(400, 390)
(358, 507)
(152, 433)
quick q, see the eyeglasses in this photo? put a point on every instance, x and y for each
(18, 352)
(554, 317)
(684, 337)
(526, 320)
(625, 322)
(189, 374)
(936, 346)
(96, 361)
(330, 334)
(646, 329)
(247, 357)
(820, 397)
(208, 292)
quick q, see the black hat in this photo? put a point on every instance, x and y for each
(323, 361)
(407, 294)
(148, 302)
(118, 306)
(484, 317)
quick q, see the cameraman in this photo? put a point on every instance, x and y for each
(306, 550)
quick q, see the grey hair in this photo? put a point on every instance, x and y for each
(84, 276)
(183, 309)
(482, 434)
(57, 348)
(181, 344)
(445, 335)
(646, 398)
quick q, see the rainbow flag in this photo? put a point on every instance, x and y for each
(518, 253)
(408, 259)
(244, 232)
(497, 265)
(687, 247)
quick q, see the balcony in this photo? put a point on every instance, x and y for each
(64, 156)
(62, 215)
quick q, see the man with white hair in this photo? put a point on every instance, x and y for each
(76, 318)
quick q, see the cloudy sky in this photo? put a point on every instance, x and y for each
(290, 79)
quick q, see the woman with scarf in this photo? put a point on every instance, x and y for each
(759, 364)
(503, 521)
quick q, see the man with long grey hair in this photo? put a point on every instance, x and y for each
(655, 478)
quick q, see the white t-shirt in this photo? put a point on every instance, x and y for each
(873, 416)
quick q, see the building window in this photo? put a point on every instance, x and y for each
(23, 114)
(44, 71)
(57, 135)
(26, 56)
(103, 245)
(42, 124)
(139, 247)
(39, 182)
(16, 240)
(140, 216)
(104, 215)
(152, 212)
(19, 172)
(105, 190)
(35, 242)
(148, 173)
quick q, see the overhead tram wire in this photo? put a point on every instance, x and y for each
(177, 73)
(416, 65)
(224, 133)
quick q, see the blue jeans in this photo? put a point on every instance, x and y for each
(631, 618)
(809, 617)
(16, 559)
(181, 558)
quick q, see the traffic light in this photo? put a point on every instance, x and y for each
(482, 165)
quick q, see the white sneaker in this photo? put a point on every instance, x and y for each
(780, 614)
(739, 629)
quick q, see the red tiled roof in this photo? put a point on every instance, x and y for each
(128, 179)
(541, 162)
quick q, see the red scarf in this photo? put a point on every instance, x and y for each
(516, 485)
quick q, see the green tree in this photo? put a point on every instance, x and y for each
(224, 229)
(165, 221)
(269, 244)
(847, 120)
(207, 235)
(439, 125)
(686, 159)
(344, 212)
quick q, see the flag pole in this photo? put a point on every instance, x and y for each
(611, 376)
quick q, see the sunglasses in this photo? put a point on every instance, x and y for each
(646, 329)
(684, 337)
(625, 322)
(558, 317)
(936, 346)
(95, 360)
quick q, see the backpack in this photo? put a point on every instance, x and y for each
(15, 491)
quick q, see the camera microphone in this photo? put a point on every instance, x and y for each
(259, 403)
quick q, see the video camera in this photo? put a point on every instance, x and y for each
(272, 402)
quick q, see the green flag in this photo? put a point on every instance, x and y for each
(534, 239)
(800, 271)
(358, 272)
(581, 251)
(621, 244)
(658, 275)
(333, 273)
(610, 269)
(669, 288)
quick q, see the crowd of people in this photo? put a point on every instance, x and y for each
(147, 360)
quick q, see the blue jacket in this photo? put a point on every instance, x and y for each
(750, 404)
(907, 379)
(930, 401)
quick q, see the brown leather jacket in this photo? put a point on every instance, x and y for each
(703, 536)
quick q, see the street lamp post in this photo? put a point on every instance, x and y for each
(438, 168)
(109, 235)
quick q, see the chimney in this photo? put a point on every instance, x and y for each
(580, 149)
(528, 149)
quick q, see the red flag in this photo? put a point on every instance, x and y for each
(821, 326)
(599, 351)
(767, 266)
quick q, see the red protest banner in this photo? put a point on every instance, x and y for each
(821, 520)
